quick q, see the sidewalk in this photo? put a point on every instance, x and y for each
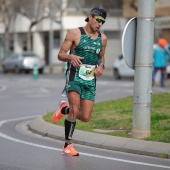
(136, 146)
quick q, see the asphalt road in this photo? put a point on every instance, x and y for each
(23, 98)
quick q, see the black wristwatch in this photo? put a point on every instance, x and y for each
(101, 63)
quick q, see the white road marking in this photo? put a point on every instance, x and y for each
(2, 88)
(81, 153)
(44, 90)
(5, 97)
(34, 91)
(36, 96)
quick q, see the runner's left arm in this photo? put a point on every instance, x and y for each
(99, 70)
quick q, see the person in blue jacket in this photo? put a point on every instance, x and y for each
(159, 61)
(167, 49)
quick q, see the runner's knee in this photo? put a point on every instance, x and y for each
(85, 118)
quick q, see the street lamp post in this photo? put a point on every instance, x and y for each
(142, 97)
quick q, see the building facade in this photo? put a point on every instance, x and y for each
(47, 35)
(162, 16)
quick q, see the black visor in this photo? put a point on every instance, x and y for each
(97, 11)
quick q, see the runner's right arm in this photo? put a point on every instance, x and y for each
(66, 46)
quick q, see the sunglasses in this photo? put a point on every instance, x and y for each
(99, 20)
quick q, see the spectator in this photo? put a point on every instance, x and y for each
(159, 61)
(167, 50)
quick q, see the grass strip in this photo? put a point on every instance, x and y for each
(115, 118)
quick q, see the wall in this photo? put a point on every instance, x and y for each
(38, 42)
(128, 11)
(162, 8)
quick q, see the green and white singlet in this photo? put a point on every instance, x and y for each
(89, 49)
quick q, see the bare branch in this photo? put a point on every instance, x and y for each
(37, 21)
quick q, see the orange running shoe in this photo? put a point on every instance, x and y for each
(58, 115)
(70, 151)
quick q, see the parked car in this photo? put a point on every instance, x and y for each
(24, 61)
(120, 68)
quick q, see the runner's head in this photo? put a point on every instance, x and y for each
(98, 13)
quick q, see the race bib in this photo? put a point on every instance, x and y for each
(86, 72)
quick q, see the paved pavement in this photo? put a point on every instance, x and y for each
(136, 146)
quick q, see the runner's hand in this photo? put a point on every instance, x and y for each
(98, 71)
(76, 60)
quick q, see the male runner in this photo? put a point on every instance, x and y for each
(85, 62)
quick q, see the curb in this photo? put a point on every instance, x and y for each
(135, 146)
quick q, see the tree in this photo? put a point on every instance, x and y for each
(8, 14)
